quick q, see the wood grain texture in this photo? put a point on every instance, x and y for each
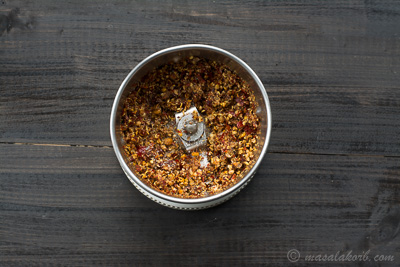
(331, 71)
(87, 213)
(331, 179)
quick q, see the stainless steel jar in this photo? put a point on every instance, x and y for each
(174, 54)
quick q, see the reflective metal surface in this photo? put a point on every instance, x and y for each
(190, 131)
(175, 54)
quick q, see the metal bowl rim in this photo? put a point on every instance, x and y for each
(117, 100)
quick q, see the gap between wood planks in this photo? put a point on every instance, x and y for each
(270, 152)
(40, 144)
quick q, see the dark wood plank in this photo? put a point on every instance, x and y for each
(331, 70)
(73, 206)
(329, 183)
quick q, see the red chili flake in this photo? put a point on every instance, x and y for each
(200, 79)
(221, 137)
(138, 168)
(245, 94)
(144, 151)
(248, 129)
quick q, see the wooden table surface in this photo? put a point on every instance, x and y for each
(329, 184)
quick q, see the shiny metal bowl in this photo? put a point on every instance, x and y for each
(174, 54)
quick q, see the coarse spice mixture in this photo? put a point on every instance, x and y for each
(227, 106)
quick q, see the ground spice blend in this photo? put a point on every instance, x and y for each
(226, 105)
